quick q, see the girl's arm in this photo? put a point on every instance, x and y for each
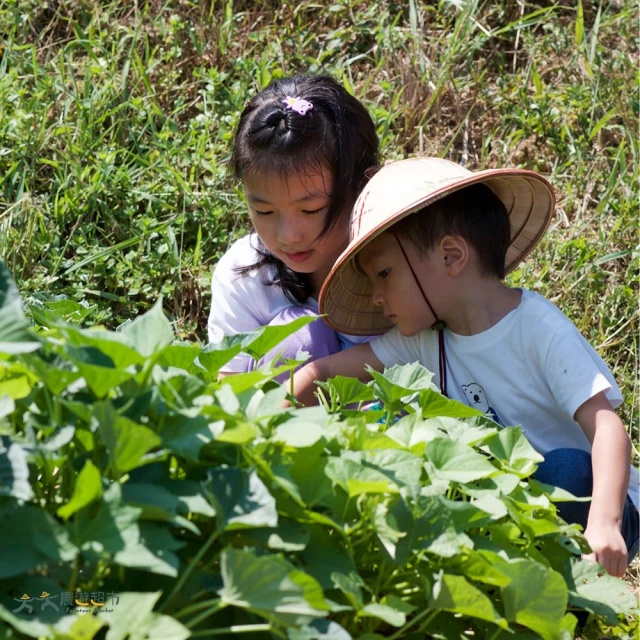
(610, 459)
(350, 363)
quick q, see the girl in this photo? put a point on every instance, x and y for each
(303, 150)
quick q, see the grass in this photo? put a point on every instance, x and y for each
(116, 120)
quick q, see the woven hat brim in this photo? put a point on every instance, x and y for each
(345, 297)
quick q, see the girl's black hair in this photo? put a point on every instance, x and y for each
(338, 133)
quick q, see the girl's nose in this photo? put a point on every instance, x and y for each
(289, 230)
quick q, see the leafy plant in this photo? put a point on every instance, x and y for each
(203, 508)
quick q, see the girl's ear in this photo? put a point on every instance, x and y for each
(455, 253)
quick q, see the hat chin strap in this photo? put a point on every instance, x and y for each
(438, 325)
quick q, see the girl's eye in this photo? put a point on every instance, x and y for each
(311, 212)
(263, 213)
(384, 273)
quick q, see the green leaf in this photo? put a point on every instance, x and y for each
(186, 436)
(68, 310)
(152, 551)
(555, 494)
(14, 470)
(111, 529)
(593, 589)
(410, 431)
(132, 442)
(350, 390)
(56, 374)
(105, 348)
(454, 461)
(536, 597)
(98, 369)
(240, 498)
(259, 343)
(320, 630)
(14, 327)
(135, 619)
(475, 566)
(241, 433)
(390, 615)
(434, 405)
(297, 435)
(400, 382)
(31, 627)
(470, 431)
(454, 593)
(396, 529)
(126, 440)
(31, 537)
(325, 555)
(287, 536)
(514, 451)
(88, 488)
(265, 405)
(215, 355)
(502, 484)
(157, 503)
(375, 471)
(149, 332)
(351, 585)
(271, 587)
(179, 356)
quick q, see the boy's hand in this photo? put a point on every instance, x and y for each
(608, 547)
(610, 457)
(350, 363)
(303, 384)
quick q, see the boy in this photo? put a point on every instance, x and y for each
(430, 245)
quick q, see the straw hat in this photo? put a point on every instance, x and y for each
(403, 187)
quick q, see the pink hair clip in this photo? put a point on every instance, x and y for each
(298, 105)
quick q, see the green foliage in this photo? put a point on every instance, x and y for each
(116, 122)
(211, 509)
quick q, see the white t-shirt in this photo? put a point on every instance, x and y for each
(533, 369)
(245, 303)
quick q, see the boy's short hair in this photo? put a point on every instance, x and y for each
(474, 213)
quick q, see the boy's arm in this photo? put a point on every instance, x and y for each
(610, 458)
(349, 363)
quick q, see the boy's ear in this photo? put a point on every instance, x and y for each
(455, 253)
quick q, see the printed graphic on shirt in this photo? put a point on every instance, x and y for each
(477, 398)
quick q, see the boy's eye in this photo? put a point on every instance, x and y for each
(384, 273)
(263, 213)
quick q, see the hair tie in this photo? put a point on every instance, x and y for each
(298, 105)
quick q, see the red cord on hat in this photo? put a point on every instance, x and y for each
(438, 325)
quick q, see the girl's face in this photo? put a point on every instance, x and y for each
(289, 214)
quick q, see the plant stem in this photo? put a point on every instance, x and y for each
(206, 614)
(238, 628)
(195, 607)
(74, 574)
(189, 570)
(401, 633)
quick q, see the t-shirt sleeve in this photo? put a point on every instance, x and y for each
(576, 373)
(394, 348)
(233, 310)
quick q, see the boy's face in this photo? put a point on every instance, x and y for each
(394, 287)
